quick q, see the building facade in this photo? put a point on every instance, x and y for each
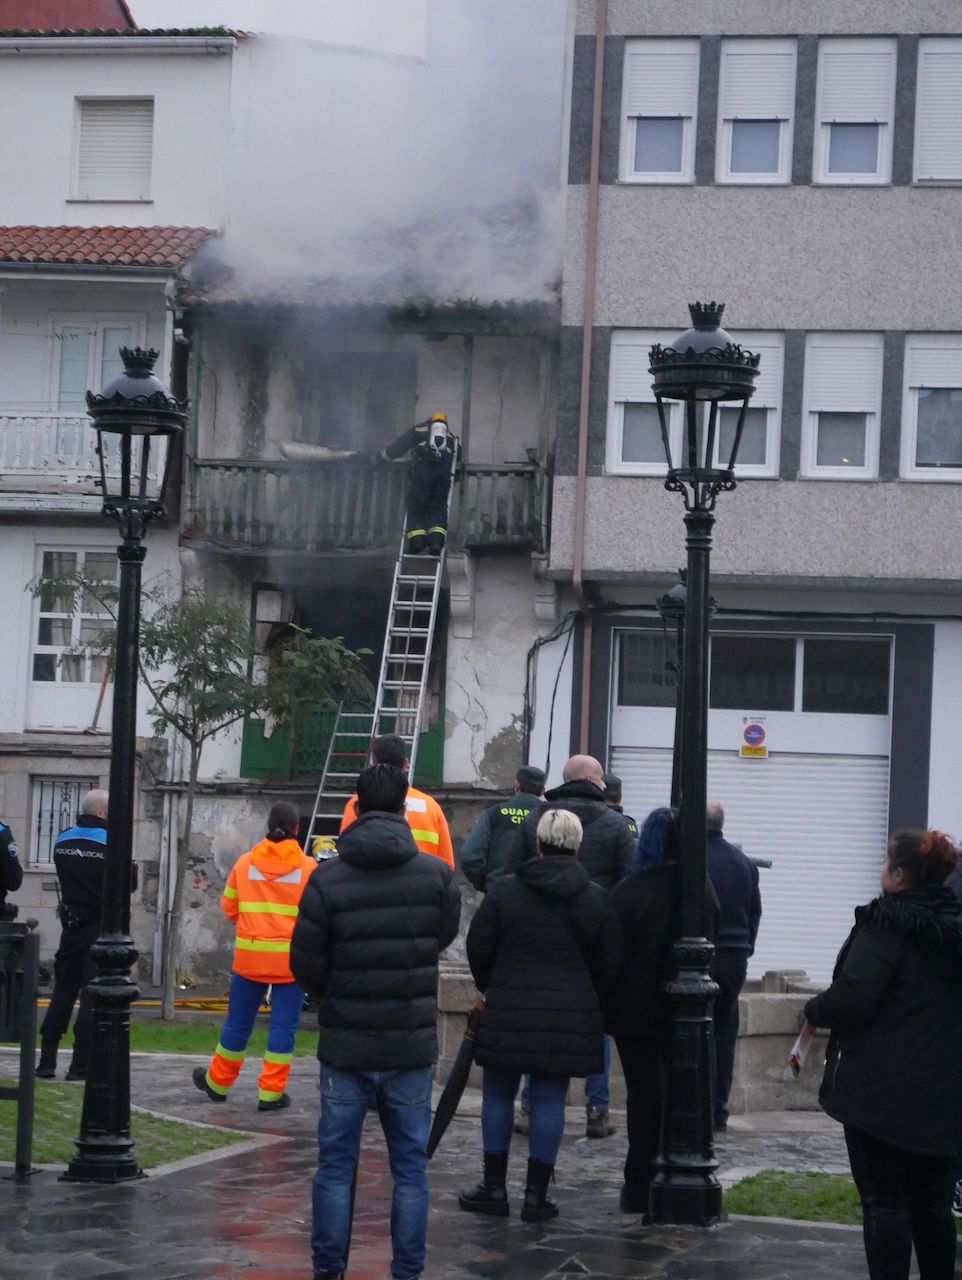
(803, 166)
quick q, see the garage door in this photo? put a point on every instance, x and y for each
(822, 819)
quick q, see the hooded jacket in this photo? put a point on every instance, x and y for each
(262, 894)
(607, 846)
(372, 924)
(542, 946)
(895, 1013)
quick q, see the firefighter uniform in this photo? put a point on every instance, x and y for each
(78, 855)
(432, 449)
(11, 872)
(262, 893)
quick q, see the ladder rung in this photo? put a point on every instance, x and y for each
(418, 580)
(410, 631)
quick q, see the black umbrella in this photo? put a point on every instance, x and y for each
(452, 1091)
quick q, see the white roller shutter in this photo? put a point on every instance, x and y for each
(768, 384)
(661, 78)
(843, 372)
(757, 80)
(933, 360)
(856, 81)
(115, 148)
(823, 821)
(938, 111)
(629, 378)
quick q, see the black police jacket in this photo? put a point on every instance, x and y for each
(11, 872)
(78, 855)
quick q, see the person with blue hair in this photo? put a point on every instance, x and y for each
(638, 1013)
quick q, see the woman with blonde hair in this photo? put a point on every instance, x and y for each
(543, 944)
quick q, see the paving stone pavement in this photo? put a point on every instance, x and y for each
(247, 1216)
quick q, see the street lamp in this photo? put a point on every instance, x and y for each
(671, 609)
(138, 423)
(703, 370)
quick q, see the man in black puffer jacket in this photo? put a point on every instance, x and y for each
(606, 854)
(370, 927)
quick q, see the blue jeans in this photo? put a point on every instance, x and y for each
(546, 1104)
(596, 1087)
(403, 1101)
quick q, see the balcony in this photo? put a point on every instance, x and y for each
(285, 506)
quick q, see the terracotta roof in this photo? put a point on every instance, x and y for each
(165, 248)
(65, 13)
(214, 33)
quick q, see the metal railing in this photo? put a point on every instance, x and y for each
(286, 506)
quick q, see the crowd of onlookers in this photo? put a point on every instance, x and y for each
(571, 944)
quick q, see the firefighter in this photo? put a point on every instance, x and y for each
(262, 894)
(432, 449)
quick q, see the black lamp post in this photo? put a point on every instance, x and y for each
(671, 608)
(703, 369)
(135, 412)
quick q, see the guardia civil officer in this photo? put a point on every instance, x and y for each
(78, 855)
(431, 448)
(11, 872)
(484, 851)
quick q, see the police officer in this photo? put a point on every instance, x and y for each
(613, 801)
(482, 858)
(11, 872)
(78, 855)
(432, 449)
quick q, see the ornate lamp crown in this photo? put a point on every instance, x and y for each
(706, 315)
(138, 362)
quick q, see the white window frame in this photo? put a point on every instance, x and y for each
(771, 346)
(143, 195)
(932, 93)
(940, 366)
(96, 325)
(868, 348)
(750, 101)
(75, 621)
(879, 109)
(684, 107)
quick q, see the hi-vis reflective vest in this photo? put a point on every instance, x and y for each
(262, 893)
(426, 819)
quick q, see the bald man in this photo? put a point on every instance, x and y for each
(607, 849)
(78, 855)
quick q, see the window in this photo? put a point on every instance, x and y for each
(56, 803)
(659, 102)
(842, 400)
(932, 407)
(938, 112)
(756, 102)
(360, 397)
(115, 141)
(634, 445)
(855, 103)
(834, 675)
(643, 677)
(64, 624)
(86, 357)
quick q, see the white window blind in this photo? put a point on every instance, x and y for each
(843, 372)
(757, 79)
(115, 148)
(938, 111)
(933, 360)
(630, 379)
(855, 103)
(661, 78)
(768, 384)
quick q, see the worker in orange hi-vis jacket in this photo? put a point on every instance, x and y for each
(424, 815)
(262, 894)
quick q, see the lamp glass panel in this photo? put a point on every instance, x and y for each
(853, 148)
(658, 144)
(840, 440)
(755, 146)
(641, 434)
(753, 450)
(938, 437)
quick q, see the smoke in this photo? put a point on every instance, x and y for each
(430, 172)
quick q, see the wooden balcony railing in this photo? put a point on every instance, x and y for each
(284, 506)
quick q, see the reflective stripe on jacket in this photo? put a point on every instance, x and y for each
(262, 893)
(426, 819)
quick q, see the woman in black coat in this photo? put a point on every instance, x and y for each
(542, 944)
(637, 1011)
(892, 1067)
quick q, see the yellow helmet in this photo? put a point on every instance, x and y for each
(439, 417)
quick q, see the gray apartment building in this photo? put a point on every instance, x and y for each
(803, 165)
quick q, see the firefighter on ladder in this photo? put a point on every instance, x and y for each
(432, 450)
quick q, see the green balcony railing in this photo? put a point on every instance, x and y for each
(284, 506)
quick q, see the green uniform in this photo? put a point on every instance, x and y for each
(484, 851)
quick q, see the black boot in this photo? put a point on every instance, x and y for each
(490, 1195)
(47, 1066)
(537, 1207)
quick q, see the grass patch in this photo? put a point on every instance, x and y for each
(152, 1035)
(56, 1123)
(813, 1197)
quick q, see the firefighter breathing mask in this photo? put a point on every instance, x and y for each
(438, 438)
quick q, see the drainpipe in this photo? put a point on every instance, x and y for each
(587, 331)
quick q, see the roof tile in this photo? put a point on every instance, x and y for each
(164, 248)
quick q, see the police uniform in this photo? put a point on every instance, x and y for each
(485, 849)
(11, 872)
(78, 855)
(432, 448)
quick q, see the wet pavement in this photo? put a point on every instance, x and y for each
(247, 1214)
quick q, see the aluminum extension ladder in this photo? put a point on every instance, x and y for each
(399, 701)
